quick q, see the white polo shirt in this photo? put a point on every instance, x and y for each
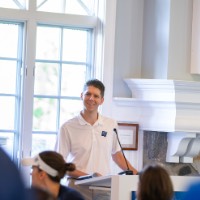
(88, 146)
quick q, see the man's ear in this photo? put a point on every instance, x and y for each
(102, 100)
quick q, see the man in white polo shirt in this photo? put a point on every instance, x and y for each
(89, 141)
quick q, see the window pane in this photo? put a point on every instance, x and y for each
(19, 4)
(7, 77)
(73, 79)
(68, 6)
(69, 108)
(8, 38)
(8, 4)
(22, 4)
(46, 79)
(74, 45)
(89, 4)
(6, 142)
(44, 114)
(48, 43)
(77, 7)
(50, 6)
(7, 108)
(11, 44)
(41, 142)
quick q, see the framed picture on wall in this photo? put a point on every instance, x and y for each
(128, 135)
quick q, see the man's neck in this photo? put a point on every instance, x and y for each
(90, 117)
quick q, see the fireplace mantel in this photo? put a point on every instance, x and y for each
(171, 106)
(164, 105)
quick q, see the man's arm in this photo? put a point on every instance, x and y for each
(120, 161)
(77, 173)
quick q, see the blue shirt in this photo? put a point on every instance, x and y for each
(66, 193)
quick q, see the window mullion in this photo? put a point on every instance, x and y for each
(28, 88)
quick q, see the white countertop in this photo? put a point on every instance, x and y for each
(180, 183)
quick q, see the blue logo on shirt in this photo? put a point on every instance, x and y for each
(103, 133)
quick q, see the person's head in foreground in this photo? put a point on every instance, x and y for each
(48, 168)
(11, 183)
(154, 184)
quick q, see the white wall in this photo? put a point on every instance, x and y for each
(128, 44)
(155, 39)
(152, 40)
(180, 41)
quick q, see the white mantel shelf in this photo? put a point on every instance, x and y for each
(164, 105)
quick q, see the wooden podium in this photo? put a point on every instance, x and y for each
(122, 186)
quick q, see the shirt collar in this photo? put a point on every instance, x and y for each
(83, 122)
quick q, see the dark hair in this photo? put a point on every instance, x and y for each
(154, 184)
(57, 162)
(96, 83)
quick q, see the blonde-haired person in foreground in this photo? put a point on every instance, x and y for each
(48, 168)
(154, 184)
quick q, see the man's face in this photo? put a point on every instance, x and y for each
(92, 98)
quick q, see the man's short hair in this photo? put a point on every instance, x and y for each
(96, 83)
